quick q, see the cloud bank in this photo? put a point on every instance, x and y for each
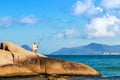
(107, 21)
(7, 21)
(111, 4)
(28, 20)
(70, 33)
(86, 7)
(107, 26)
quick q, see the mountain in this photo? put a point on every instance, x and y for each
(26, 47)
(90, 49)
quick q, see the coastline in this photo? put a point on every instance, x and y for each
(60, 78)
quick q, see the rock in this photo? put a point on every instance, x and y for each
(5, 58)
(16, 61)
(51, 66)
(17, 52)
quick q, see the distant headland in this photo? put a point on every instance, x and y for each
(90, 49)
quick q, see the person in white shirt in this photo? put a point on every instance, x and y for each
(34, 47)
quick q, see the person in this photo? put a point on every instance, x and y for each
(34, 47)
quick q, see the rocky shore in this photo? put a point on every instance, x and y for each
(16, 61)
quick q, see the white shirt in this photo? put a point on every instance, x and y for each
(34, 47)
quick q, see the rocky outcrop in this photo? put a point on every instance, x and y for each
(51, 66)
(15, 60)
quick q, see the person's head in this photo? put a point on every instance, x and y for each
(34, 42)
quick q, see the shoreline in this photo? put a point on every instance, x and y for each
(41, 77)
(44, 77)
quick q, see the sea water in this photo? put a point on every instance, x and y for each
(107, 65)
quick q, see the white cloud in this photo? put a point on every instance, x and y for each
(107, 26)
(11, 21)
(110, 4)
(6, 21)
(79, 8)
(70, 33)
(99, 9)
(94, 10)
(29, 20)
(86, 7)
(59, 36)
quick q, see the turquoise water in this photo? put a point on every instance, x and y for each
(107, 65)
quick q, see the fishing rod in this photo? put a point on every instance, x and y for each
(41, 38)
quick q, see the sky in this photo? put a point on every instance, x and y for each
(57, 24)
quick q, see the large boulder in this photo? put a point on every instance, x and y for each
(51, 66)
(15, 60)
(17, 52)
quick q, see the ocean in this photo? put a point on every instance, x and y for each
(107, 65)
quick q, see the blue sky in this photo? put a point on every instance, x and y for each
(63, 23)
